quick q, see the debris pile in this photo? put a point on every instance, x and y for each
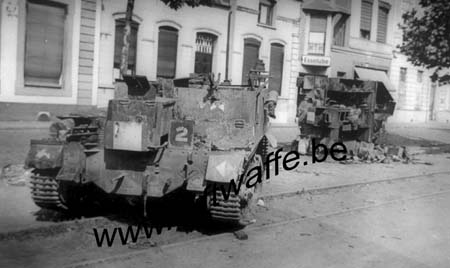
(15, 175)
(360, 151)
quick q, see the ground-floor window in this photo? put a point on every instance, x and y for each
(204, 52)
(118, 44)
(251, 55)
(276, 66)
(167, 52)
(44, 42)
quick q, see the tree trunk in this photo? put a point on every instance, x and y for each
(126, 38)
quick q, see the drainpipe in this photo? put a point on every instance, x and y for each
(227, 59)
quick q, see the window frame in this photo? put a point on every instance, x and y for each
(65, 88)
(214, 38)
(403, 74)
(249, 41)
(344, 24)
(270, 12)
(322, 16)
(387, 7)
(135, 25)
(366, 33)
(271, 57)
(419, 76)
(173, 29)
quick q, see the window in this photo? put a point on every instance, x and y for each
(317, 29)
(44, 45)
(403, 74)
(419, 76)
(265, 12)
(167, 52)
(340, 31)
(366, 19)
(251, 56)
(276, 66)
(383, 12)
(204, 53)
(341, 74)
(118, 44)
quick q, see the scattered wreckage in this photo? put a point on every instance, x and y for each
(150, 146)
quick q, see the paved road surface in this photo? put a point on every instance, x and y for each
(390, 224)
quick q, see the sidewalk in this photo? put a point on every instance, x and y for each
(7, 125)
(433, 131)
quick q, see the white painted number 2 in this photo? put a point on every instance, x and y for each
(182, 134)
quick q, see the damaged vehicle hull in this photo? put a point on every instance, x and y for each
(148, 148)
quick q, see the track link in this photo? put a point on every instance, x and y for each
(45, 189)
(225, 210)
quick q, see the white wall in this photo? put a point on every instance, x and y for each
(151, 14)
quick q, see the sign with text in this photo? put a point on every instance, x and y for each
(181, 133)
(316, 60)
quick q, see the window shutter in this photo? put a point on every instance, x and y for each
(44, 46)
(366, 15)
(251, 55)
(276, 67)
(382, 24)
(167, 52)
(318, 24)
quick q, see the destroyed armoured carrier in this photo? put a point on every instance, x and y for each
(148, 147)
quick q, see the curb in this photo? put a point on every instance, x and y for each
(14, 125)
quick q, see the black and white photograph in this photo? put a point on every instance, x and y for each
(225, 133)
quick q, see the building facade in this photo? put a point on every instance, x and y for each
(64, 53)
(348, 39)
(48, 53)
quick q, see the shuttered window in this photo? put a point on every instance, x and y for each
(44, 48)
(366, 18)
(167, 52)
(276, 67)
(317, 29)
(118, 44)
(383, 13)
(204, 52)
(251, 55)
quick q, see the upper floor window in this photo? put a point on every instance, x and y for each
(265, 12)
(317, 30)
(167, 52)
(118, 44)
(340, 30)
(366, 19)
(204, 52)
(44, 42)
(383, 12)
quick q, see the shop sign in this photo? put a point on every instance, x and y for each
(316, 60)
